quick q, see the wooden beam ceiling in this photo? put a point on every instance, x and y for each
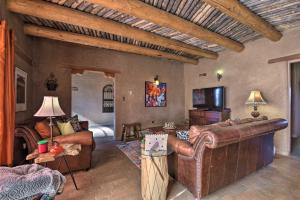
(144, 11)
(102, 43)
(241, 13)
(50, 11)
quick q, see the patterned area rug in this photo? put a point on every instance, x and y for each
(132, 150)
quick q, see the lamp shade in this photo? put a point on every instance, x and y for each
(50, 108)
(255, 98)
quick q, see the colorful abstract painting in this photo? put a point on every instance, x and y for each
(155, 95)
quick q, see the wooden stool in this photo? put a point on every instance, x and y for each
(131, 131)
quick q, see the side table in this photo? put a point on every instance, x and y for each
(48, 157)
(155, 177)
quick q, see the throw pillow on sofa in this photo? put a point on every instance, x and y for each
(65, 128)
(74, 122)
(183, 135)
(44, 131)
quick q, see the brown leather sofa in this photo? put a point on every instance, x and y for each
(83, 161)
(220, 154)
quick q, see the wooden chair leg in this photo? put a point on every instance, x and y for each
(123, 133)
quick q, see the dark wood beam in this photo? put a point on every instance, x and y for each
(77, 69)
(102, 43)
(241, 13)
(50, 11)
(285, 58)
(144, 11)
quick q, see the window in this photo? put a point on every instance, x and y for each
(108, 99)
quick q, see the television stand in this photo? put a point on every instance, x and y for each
(203, 117)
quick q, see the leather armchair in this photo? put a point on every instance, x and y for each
(220, 154)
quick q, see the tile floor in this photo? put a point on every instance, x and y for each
(114, 177)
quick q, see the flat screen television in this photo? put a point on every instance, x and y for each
(209, 98)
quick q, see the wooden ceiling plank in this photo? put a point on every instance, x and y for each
(78, 69)
(102, 43)
(284, 58)
(241, 13)
(50, 11)
(144, 11)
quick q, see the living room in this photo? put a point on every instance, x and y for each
(242, 58)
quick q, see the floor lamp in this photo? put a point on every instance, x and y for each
(50, 108)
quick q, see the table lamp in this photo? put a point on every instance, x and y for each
(50, 108)
(255, 99)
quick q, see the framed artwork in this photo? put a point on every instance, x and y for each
(20, 89)
(155, 95)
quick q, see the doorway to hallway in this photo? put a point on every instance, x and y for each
(93, 101)
(295, 108)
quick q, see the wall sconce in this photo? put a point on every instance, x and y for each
(156, 80)
(219, 74)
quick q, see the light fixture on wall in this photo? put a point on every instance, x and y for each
(156, 80)
(219, 74)
(255, 98)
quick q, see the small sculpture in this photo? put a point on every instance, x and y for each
(51, 82)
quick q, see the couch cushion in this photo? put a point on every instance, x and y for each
(83, 137)
(247, 120)
(65, 128)
(44, 131)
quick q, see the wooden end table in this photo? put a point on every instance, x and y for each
(40, 158)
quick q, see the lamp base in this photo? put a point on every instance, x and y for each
(255, 113)
(51, 131)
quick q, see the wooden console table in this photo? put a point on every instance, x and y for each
(206, 117)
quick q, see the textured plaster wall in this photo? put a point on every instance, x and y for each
(52, 56)
(23, 43)
(90, 86)
(246, 71)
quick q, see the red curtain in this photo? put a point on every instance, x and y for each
(7, 96)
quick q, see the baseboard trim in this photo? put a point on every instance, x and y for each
(283, 153)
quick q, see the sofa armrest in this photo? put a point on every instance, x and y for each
(179, 146)
(83, 138)
(84, 125)
(30, 136)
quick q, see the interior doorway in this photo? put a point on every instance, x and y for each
(93, 101)
(295, 108)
